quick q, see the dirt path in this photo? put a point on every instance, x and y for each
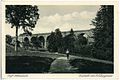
(61, 65)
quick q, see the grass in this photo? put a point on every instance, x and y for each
(28, 61)
(21, 52)
(28, 64)
(85, 66)
(39, 62)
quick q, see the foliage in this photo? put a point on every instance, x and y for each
(58, 43)
(69, 41)
(89, 66)
(24, 16)
(83, 50)
(75, 45)
(103, 33)
(81, 47)
(8, 39)
(58, 38)
(52, 42)
(17, 64)
(55, 41)
(82, 40)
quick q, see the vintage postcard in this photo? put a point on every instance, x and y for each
(69, 39)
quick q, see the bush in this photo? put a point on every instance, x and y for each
(83, 50)
(103, 54)
(87, 66)
(8, 39)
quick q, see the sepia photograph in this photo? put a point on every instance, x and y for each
(59, 39)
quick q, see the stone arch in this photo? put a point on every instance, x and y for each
(47, 41)
(82, 38)
(41, 41)
(48, 37)
(33, 39)
(26, 39)
(26, 43)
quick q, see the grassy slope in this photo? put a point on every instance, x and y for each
(21, 52)
(27, 62)
(82, 63)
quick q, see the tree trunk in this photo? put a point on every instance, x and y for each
(16, 44)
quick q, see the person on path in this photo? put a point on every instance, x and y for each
(67, 53)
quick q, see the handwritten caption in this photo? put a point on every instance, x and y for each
(96, 75)
(10, 76)
(82, 75)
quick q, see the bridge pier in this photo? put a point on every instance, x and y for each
(45, 44)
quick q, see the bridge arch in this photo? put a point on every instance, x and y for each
(47, 41)
(26, 39)
(43, 37)
(33, 39)
(41, 41)
(82, 37)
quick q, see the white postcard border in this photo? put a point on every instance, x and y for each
(71, 75)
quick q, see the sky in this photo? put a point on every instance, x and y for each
(64, 17)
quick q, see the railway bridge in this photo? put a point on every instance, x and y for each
(43, 37)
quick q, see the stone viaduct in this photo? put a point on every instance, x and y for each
(44, 36)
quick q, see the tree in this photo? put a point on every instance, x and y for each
(103, 32)
(8, 39)
(71, 32)
(69, 41)
(52, 42)
(82, 40)
(24, 16)
(58, 38)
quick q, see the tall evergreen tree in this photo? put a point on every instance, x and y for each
(69, 41)
(52, 42)
(103, 32)
(58, 38)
